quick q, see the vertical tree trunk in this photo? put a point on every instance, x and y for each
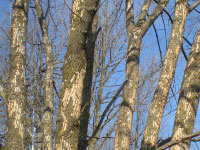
(73, 102)
(135, 34)
(48, 90)
(124, 123)
(166, 77)
(40, 101)
(87, 84)
(17, 83)
(189, 97)
(102, 81)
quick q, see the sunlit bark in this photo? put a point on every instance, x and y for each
(166, 76)
(16, 138)
(189, 97)
(135, 34)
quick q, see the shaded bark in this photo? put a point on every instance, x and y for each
(188, 98)
(135, 34)
(16, 137)
(87, 84)
(71, 131)
(48, 89)
(166, 77)
(101, 84)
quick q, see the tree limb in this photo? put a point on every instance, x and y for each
(171, 143)
(107, 109)
(2, 92)
(194, 6)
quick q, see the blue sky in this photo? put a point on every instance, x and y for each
(149, 51)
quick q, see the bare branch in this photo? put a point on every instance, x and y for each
(106, 110)
(194, 6)
(169, 144)
(144, 11)
(157, 11)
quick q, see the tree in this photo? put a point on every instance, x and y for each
(166, 76)
(99, 103)
(17, 99)
(188, 97)
(73, 102)
(135, 32)
(48, 96)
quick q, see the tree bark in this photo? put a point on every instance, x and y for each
(48, 89)
(87, 84)
(166, 77)
(188, 98)
(16, 137)
(73, 111)
(102, 81)
(135, 34)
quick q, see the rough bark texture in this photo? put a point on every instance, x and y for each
(73, 100)
(189, 97)
(166, 76)
(87, 84)
(135, 35)
(124, 123)
(16, 139)
(48, 90)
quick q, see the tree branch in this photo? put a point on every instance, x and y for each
(157, 11)
(193, 6)
(171, 143)
(144, 11)
(2, 92)
(106, 110)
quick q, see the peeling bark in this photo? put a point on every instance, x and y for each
(16, 139)
(188, 98)
(166, 77)
(135, 34)
(48, 95)
(73, 110)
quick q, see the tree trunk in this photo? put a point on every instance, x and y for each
(102, 82)
(135, 34)
(87, 84)
(73, 101)
(48, 90)
(188, 98)
(124, 123)
(166, 77)
(16, 138)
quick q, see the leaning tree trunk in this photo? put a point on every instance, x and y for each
(48, 90)
(135, 34)
(166, 76)
(17, 83)
(71, 132)
(189, 97)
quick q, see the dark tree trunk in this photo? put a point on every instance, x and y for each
(73, 113)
